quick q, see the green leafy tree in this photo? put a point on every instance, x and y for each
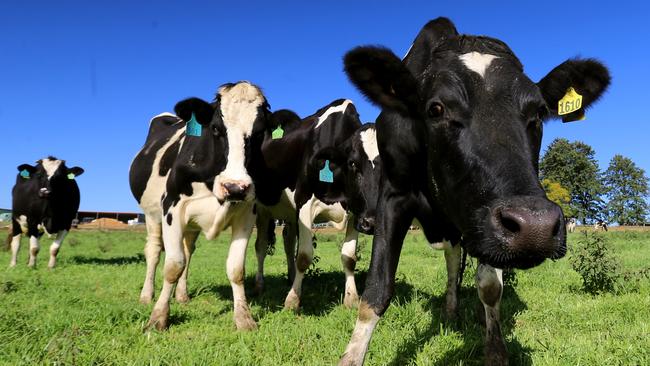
(560, 195)
(574, 166)
(627, 188)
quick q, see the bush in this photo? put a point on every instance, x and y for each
(599, 268)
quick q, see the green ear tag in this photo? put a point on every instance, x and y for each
(325, 174)
(193, 128)
(24, 173)
(70, 175)
(277, 133)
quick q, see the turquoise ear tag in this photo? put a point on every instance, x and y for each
(24, 173)
(277, 133)
(70, 175)
(326, 174)
(193, 128)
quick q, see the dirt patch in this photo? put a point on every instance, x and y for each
(105, 224)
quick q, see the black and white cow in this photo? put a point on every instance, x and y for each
(45, 199)
(191, 176)
(292, 189)
(459, 138)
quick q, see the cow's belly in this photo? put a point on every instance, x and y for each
(284, 210)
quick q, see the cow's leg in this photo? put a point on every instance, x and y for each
(56, 245)
(289, 239)
(489, 282)
(189, 241)
(241, 231)
(34, 248)
(15, 246)
(393, 223)
(174, 266)
(305, 254)
(349, 261)
(261, 245)
(152, 256)
(452, 259)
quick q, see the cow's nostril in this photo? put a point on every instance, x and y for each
(556, 228)
(509, 222)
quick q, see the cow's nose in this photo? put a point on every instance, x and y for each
(366, 225)
(532, 229)
(235, 191)
(43, 192)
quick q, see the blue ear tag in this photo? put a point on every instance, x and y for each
(193, 128)
(70, 175)
(326, 174)
(24, 173)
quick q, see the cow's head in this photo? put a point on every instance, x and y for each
(480, 119)
(356, 169)
(231, 127)
(50, 174)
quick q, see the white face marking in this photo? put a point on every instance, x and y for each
(477, 62)
(369, 143)
(239, 105)
(50, 166)
(339, 108)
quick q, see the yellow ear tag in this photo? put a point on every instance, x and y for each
(571, 102)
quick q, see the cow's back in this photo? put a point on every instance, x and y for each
(153, 162)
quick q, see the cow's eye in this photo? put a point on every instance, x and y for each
(436, 110)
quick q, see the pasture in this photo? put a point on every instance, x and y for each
(86, 311)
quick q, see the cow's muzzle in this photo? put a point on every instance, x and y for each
(235, 192)
(44, 193)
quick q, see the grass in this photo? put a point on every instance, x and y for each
(86, 311)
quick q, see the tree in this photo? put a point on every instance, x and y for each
(627, 188)
(560, 195)
(574, 166)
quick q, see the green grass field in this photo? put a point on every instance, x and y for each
(86, 311)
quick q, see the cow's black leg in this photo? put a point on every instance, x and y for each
(394, 219)
(261, 245)
(489, 282)
(189, 241)
(289, 235)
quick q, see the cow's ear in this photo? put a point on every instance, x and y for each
(589, 78)
(333, 159)
(383, 79)
(430, 36)
(26, 170)
(284, 118)
(77, 171)
(202, 110)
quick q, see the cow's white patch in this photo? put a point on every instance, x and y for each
(22, 221)
(369, 143)
(407, 52)
(164, 114)
(50, 166)
(477, 62)
(339, 108)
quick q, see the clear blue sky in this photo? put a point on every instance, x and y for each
(81, 80)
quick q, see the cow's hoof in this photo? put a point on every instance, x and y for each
(496, 360)
(496, 353)
(245, 322)
(292, 302)
(259, 288)
(182, 298)
(351, 300)
(12, 265)
(348, 360)
(158, 320)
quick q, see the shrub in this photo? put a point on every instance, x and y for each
(599, 268)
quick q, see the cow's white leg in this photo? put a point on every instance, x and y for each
(452, 258)
(489, 282)
(152, 256)
(349, 261)
(305, 254)
(174, 266)
(356, 350)
(241, 231)
(261, 245)
(15, 246)
(56, 245)
(289, 238)
(189, 241)
(34, 247)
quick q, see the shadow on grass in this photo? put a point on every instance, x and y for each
(471, 325)
(114, 261)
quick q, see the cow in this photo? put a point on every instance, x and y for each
(571, 225)
(459, 137)
(191, 176)
(600, 225)
(293, 190)
(45, 198)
